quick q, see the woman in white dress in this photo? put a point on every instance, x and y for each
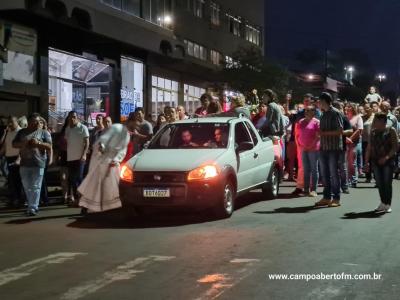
(99, 190)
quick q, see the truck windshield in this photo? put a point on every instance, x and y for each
(191, 136)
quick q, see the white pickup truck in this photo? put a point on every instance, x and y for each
(203, 163)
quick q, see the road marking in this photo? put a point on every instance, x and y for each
(26, 269)
(350, 264)
(161, 258)
(243, 260)
(222, 282)
(123, 272)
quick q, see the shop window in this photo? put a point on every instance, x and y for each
(164, 92)
(19, 67)
(132, 86)
(79, 84)
(21, 45)
(192, 96)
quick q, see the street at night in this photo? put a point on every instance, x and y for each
(60, 255)
(199, 150)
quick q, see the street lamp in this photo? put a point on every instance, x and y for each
(167, 20)
(311, 77)
(381, 77)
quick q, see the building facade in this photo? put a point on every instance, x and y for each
(110, 56)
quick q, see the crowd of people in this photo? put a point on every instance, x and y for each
(321, 141)
(335, 143)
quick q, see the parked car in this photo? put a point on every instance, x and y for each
(202, 163)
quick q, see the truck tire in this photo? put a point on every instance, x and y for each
(271, 188)
(225, 207)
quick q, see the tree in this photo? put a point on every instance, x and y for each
(249, 70)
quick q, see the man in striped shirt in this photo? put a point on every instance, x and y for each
(331, 146)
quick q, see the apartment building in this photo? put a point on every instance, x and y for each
(110, 56)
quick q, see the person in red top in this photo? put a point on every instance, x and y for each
(307, 131)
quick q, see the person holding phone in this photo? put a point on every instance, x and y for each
(34, 144)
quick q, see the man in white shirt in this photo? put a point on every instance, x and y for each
(12, 156)
(77, 137)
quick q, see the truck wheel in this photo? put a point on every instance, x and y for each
(271, 188)
(225, 207)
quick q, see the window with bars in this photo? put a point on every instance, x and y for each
(215, 57)
(164, 92)
(215, 11)
(253, 35)
(195, 50)
(192, 96)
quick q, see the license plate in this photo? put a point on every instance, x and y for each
(156, 193)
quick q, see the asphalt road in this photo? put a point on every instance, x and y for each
(59, 255)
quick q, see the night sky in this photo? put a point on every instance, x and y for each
(373, 25)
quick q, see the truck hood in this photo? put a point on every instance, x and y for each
(173, 159)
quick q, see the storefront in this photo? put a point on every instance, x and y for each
(80, 84)
(164, 92)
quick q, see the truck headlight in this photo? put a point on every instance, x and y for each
(126, 174)
(203, 172)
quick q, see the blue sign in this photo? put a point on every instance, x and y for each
(129, 101)
(127, 106)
